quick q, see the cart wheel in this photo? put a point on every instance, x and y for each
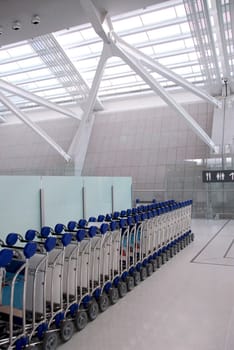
(81, 320)
(93, 310)
(103, 302)
(149, 269)
(113, 295)
(154, 264)
(66, 330)
(122, 287)
(143, 273)
(137, 277)
(130, 283)
(50, 341)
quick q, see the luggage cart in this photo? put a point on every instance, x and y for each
(73, 291)
(109, 246)
(54, 289)
(125, 280)
(87, 300)
(116, 225)
(141, 268)
(148, 235)
(36, 310)
(134, 275)
(150, 241)
(13, 307)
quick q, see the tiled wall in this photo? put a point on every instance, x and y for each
(151, 145)
(24, 152)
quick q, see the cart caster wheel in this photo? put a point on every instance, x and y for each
(130, 283)
(149, 269)
(143, 273)
(93, 310)
(50, 341)
(81, 320)
(122, 287)
(171, 252)
(159, 261)
(137, 278)
(66, 330)
(103, 302)
(113, 295)
(154, 264)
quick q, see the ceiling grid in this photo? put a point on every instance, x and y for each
(180, 34)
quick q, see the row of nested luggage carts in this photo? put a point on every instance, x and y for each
(54, 281)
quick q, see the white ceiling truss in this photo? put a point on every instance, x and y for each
(173, 44)
(140, 64)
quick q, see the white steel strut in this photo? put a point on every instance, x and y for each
(34, 127)
(139, 62)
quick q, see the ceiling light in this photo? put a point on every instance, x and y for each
(35, 19)
(16, 25)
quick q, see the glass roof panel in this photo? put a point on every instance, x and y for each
(31, 62)
(171, 60)
(127, 24)
(161, 31)
(180, 11)
(136, 38)
(21, 50)
(4, 55)
(158, 16)
(9, 67)
(172, 46)
(164, 32)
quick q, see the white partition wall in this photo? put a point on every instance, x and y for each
(29, 202)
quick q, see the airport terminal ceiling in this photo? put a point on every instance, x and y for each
(192, 38)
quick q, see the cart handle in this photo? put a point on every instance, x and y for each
(101, 218)
(12, 239)
(30, 249)
(6, 256)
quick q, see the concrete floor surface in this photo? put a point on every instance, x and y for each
(187, 304)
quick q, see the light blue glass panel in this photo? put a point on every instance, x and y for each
(97, 196)
(62, 199)
(19, 204)
(122, 193)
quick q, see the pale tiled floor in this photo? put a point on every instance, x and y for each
(183, 306)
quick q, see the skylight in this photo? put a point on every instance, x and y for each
(161, 31)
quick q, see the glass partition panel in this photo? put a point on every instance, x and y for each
(19, 204)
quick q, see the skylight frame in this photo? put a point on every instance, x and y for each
(86, 37)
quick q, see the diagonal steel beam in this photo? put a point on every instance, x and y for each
(34, 127)
(37, 99)
(79, 144)
(97, 18)
(166, 72)
(156, 87)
